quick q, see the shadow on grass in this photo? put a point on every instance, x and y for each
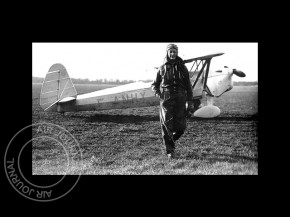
(121, 118)
(226, 118)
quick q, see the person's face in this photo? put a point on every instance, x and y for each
(172, 53)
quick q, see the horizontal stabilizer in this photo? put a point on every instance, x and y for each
(67, 99)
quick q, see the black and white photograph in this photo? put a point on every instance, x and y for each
(173, 108)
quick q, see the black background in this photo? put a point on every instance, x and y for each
(105, 194)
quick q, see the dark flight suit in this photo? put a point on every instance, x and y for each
(173, 78)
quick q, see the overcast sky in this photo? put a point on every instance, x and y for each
(136, 61)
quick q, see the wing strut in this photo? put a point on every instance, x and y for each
(199, 74)
(206, 73)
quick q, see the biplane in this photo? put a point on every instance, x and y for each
(58, 93)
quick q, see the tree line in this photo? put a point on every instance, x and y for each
(119, 82)
(96, 81)
(103, 81)
(245, 83)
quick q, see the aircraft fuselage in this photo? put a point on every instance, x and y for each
(133, 95)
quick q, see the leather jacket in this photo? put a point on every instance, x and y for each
(173, 75)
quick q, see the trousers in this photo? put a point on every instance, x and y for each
(172, 114)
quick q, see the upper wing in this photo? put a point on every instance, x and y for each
(203, 57)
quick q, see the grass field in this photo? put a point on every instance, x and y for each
(129, 141)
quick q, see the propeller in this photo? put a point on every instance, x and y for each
(239, 73)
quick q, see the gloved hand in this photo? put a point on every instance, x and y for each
(159, 95)
(190, 106)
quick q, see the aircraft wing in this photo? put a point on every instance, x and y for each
(203, 57)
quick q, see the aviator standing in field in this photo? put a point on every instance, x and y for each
(173, 78)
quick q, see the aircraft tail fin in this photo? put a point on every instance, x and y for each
(56, 86)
